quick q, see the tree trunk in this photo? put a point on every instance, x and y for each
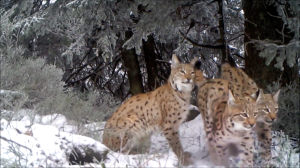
(133, 69)
(260, 25)
(225, 51)
(150, 57)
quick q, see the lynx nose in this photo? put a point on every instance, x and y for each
(189, 80)
(251, 122)
(272, 116)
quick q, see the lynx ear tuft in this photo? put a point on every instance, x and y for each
(175, 61)
(231, 99)
(255, 95)
(276, 96)
(261, 95)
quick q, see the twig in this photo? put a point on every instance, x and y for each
(274, 15)
(113, 76)
(163, 61)
(235, 54)
(250, 22)
(202, 45)
(80, 68)
(283, 34)
(236, 37)
(8, 140)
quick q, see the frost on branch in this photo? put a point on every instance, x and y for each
(287, 52)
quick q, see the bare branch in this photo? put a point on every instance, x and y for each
(163, 61)
(202, 45)
(236, 37)
(283, 34)
(8, 140)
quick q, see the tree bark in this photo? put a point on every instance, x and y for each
(226, 57)
(260, 25)
(133, 68)
(150, 57)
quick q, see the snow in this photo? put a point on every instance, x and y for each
(54, 139)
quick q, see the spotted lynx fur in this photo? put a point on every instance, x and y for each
(267, 105)
(238, 77)
(228, 121)
(162, 109)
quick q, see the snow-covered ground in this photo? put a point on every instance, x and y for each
(54, 139)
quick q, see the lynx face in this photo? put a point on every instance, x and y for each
(267, 105)
(183, 76)
(243, 113)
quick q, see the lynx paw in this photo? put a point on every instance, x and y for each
(187, 160)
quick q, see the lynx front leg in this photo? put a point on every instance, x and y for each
(172, 136)
(246, 153)
(265, 139)
(221, 158)
(128, 147)
(213, 154)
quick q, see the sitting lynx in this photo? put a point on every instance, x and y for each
(267, 105)
(228, 121)
(164, 109)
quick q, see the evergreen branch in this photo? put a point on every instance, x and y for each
(202, 45)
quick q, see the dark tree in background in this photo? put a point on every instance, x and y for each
(133, 68)
(265, 26)
(151, 64)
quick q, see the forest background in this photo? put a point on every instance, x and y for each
(83, 58)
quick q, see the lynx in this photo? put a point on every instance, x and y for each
(267, 105)
(238, 77)
(162, 109)
(199, 79)
(228, 121)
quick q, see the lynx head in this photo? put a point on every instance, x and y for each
(267, 105)
(241, 111)
(199, 77)
(182, 76)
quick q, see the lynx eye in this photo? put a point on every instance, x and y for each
(192, 72)
(244, 115)
(266, 110)
(182, 71)
(255, 114)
